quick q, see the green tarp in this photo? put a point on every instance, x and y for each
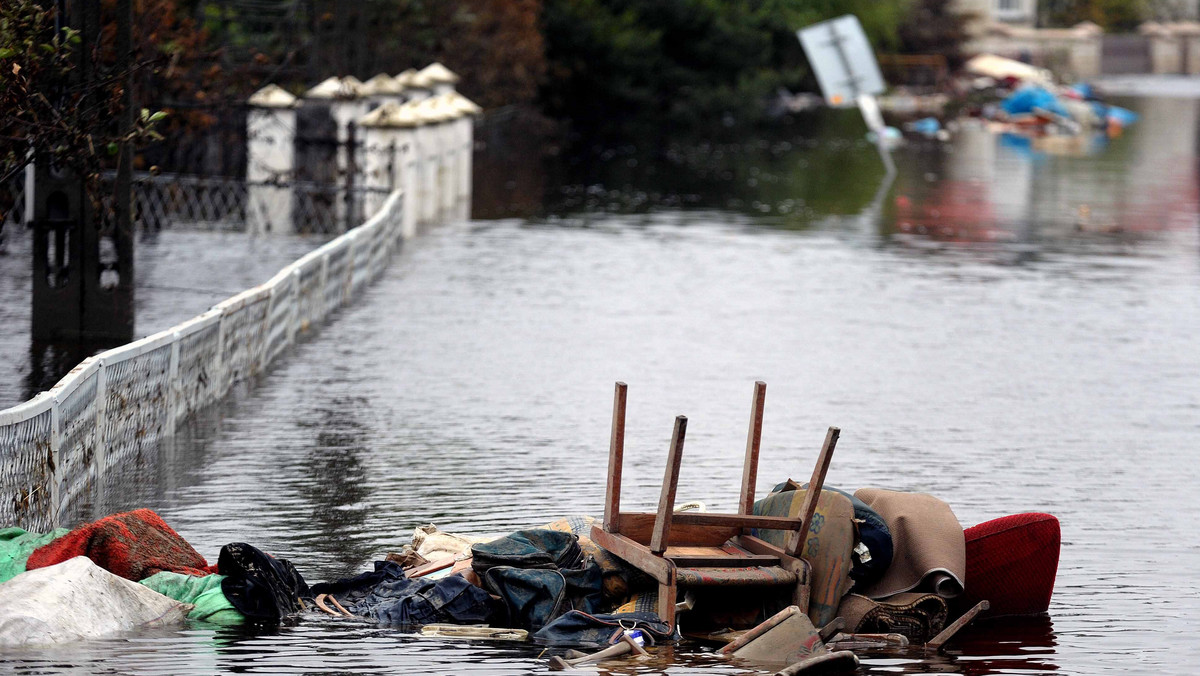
(16, 544)
(202, 592)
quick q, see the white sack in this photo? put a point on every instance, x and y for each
(1000, 68)
(77, 599)
(434, 544)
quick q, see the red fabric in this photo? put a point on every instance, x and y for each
(134, 545)
(1012, 562)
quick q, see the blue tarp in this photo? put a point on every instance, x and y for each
(1026, 99)
(1121, 116)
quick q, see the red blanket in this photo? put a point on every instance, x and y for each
(134, 545)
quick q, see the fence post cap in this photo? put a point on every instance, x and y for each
(272, 96)
(436, 73)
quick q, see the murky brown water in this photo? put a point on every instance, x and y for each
(972, 334)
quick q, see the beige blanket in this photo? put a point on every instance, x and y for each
(930, 551)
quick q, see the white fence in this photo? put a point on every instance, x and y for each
(116, 406)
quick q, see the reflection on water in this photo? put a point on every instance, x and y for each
(1006, 358)
(1000, 188)
(332, 477)
(981, 187)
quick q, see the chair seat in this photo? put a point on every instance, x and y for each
(758, 576)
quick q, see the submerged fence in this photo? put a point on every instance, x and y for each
(56, 448)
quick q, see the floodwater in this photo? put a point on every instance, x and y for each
(1007, 328)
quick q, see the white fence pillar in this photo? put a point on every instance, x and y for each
(408, 158)
(448, 168)
(381, 138)
(270, 160)
(427, 163)
(465, 141)
(345, 107)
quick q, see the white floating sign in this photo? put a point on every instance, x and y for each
(843, 60)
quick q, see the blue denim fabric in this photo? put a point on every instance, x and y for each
(536, 548)
(415, 602)
(388, 597)
(539, 574)
(535, 596)
(584, 629)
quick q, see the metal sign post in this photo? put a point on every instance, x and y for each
(846, 69)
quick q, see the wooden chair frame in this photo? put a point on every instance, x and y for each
(663, 542)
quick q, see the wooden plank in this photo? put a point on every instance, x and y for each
(666, 500)
(803, 570)
(809, 507)
(639, 527)
(431, 567)
(735, 521)
(753, 441)
(949, 632)
(770, 623)
(616, 459)
(697, 550)
(757, 546)
(723, 561)
(636, 555)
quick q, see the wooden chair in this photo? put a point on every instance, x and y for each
(691, 549)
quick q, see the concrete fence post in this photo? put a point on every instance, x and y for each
(99, 457)
(343, 96)
(56, 455)
(378, 137)
(172, 391)
(270, 160)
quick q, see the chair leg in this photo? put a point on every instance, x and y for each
(666, 602)
(661, 536)
(809, 506)
(616, 459)
(753, 441)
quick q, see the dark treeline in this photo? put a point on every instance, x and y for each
(686, 62)
(597, 66)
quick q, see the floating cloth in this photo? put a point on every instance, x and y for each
(620, 578)
(594, 630)
(928, 550)
(262, 587)
(75, 600)
(134, 545)
(539, 574)
(919, 617)
(15, 547)
(203, 593)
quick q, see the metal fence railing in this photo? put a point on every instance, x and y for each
(176, 201)
(223, 203)
(117, 405)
